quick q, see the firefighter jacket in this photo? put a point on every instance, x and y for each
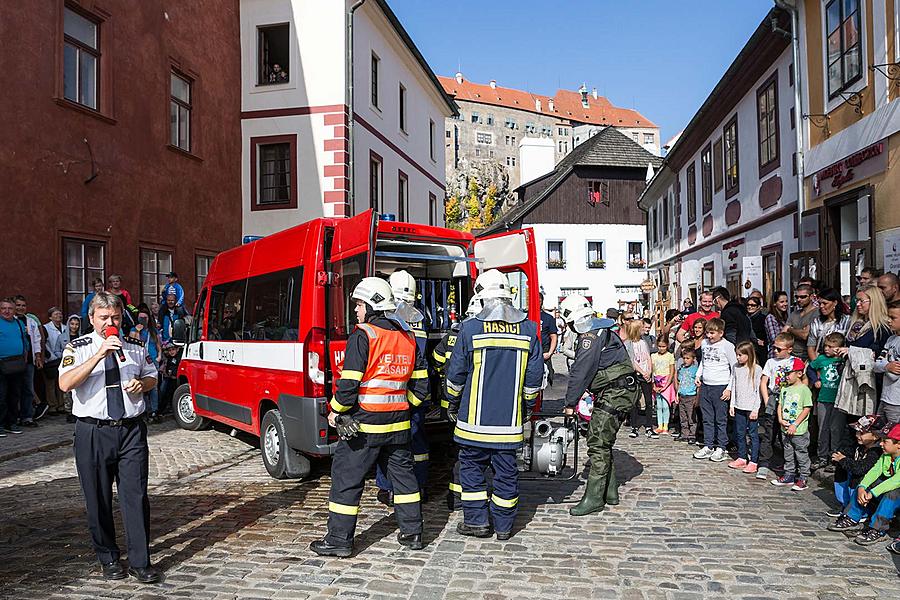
(494, 373)
(382, 375)
(600, 358)
(442, 353)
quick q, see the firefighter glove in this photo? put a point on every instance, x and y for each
(347, 427)
(452, 414)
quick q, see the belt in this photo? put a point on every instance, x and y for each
(619, 414)
(108, 423)
(626, 381)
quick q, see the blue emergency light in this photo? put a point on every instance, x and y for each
(251, 238)
(387, 217)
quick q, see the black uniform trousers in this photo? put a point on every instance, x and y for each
(352, 460)
(104, 455)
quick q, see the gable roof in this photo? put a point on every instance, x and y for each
(608, 148)
(566, 104)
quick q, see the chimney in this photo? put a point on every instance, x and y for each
(459, 77)
(594, 93)
(493, 84)
(537, 104)
(550, 105)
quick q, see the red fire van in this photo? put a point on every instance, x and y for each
(271, 322)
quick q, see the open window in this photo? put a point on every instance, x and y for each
(274, 48)
(515, 254)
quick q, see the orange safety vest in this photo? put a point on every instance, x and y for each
(392, 359)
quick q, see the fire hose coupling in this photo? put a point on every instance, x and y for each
(347, 427)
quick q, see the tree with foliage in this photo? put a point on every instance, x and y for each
(474, 198)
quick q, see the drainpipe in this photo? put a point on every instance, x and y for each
(792, 7)
(348, 99)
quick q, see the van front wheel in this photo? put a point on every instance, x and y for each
(183, 409)
(281, 461)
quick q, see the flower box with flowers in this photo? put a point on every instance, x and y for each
(596, 264)
(556, 264)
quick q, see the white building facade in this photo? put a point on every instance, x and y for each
(306, 153)
(722, 210)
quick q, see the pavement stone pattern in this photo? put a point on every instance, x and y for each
(222, 528)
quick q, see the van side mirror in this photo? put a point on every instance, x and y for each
(179, 332)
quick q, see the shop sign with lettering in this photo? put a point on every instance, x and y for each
(856, 167)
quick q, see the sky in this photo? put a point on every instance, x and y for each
(660, 57)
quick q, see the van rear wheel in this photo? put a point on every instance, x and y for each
(183, 410)
(281, 461)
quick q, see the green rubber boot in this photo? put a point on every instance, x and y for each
(612, 489)
(592, 501)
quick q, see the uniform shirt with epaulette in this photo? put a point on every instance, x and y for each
(89, 398)
(595, 350)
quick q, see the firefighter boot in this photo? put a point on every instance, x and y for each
(612, 489)
(592, 501)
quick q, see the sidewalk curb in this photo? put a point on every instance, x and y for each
(26, 451)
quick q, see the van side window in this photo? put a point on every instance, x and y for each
(347, 273)
(225, 311)
(199, 318)
(272, 306)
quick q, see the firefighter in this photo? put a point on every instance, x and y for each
(403, 286)
(441, 355)
(493, 379)
(602, 366)
(382, 376)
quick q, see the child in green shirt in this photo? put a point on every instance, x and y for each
(880, 485)
(794, 407)
(828, 368)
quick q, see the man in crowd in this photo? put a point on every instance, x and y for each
(889, 285)
(97, 285)
(14, 347)
(115, 286)
(549, 339)
(35, 358)
(168, 315)
(738, 327)
(798, 321)
(705, 311)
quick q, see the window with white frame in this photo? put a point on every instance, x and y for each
(556, 257)
(273, 54)
(648, 138)
(843, 47)
(155, 265)
(375, 67)
(180, 112)
(490, 119)
(431, 136)
(595, 256)
(402, 108)
(484, 138)
(475, 117)
(375, 188)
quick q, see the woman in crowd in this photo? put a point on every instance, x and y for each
(55, 333)
(868, 329)
(776, 319)
(832, 319)
(758, 321)
(147, 331)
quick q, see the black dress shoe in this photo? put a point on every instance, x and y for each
(144, 574)
(113, 570)
(323, 548)
(482, 531)
(502, 536)
(413, 541)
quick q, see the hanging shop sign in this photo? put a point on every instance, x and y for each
(859, 165)
(732, 256)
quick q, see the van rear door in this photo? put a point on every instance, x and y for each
(349, 256)
(514, 253)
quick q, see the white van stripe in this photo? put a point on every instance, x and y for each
(280, 356)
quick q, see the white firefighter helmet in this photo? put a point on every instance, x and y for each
(574, 308)
(404, 286)
(375, 292)
(475, 306)
(492, 284)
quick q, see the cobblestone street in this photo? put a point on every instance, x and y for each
(223, 529)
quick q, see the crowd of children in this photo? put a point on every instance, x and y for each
(718, 397)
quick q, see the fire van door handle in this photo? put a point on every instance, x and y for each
(200, 350)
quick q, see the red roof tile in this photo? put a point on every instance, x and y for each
(567, 104)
